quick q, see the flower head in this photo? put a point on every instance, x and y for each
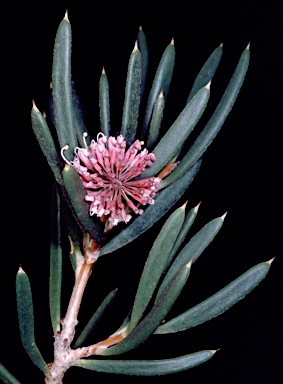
(108, 173)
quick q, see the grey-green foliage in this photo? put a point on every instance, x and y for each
(169, 262)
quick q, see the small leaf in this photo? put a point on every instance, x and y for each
(142, 44)
(163, 202)
(146, 367)
(189, 220)
(155, 121)
(161, 81)
(219, 302)
(174, 138)
(155, 264)
(55, 279)
(76, 193)
(95, 319)
(207, 72)
(104, 106)
(62, 88)
(192, 250)
(158, 312)
(46, 143)
(7, 377)
(26, 320)
(132, 97)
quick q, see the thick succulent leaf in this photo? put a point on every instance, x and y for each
(62, 88)
(55, 278)
(161, 81)
(163, 202)
(207, 72)
(155, 121)
(46, 143)
(7, 377)
(132, 97)
(216, 121)
(158, 312)
(95, 318)
(79, 119)
(174, 138)
(146, 367)
(219, 302)
(192, 250)
(26, 320)
(76, 194)
(142, 44)
(104, 105)
(189, 220)
(154, 265)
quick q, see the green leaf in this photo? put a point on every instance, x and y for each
(132, 97)
(161, 81)
(219, 302)
(216, 121)
(158, 312)
(7, 377)
(95, 319)
(46, 143)
(174, 138)
(142, 44)
(155, 121)
(154, 265)
(104, 105)
(26, 320)
(207, 72)
(163, 202)
(55, 278)
(189, 220)
(76, 194)
(146, 367)
(62, 88)
(192, 250)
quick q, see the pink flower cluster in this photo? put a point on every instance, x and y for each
(107, 171)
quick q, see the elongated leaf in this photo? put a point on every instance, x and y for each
(163, 202)
(95, 319)
(215, 122)
(189, 220)
(219, 302)
(173, 140)
(46, 143)
(55, 278)
(207, 72)
(26, 320)
(146, 367)
(76, 193)
(104, 106)
(7, 377)
(161, 81)
(142, 44)
(62, 88)
(154, 265)
(192, 250)
(158, 312)
(155, 121)
(132, 97)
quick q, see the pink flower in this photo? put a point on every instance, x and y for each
(107, 171)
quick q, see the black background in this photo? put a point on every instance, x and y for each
(241, 173)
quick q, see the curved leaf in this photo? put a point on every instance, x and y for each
(219, 302)
(146, 367)
(7, 377)
(155, 121)
(142, 44)
(104, 106)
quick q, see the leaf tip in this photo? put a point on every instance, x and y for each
(189, 264)
(66, 18)
(140, 28)
(208, 85)
(34, 107)
(103, 71)
(223, 216)
(184, 205)
(135, 47)
(197, 207)
(21, 270)
(172, 41)
(221, 45)
(213, 351)
(270, 261)
(248, 46)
